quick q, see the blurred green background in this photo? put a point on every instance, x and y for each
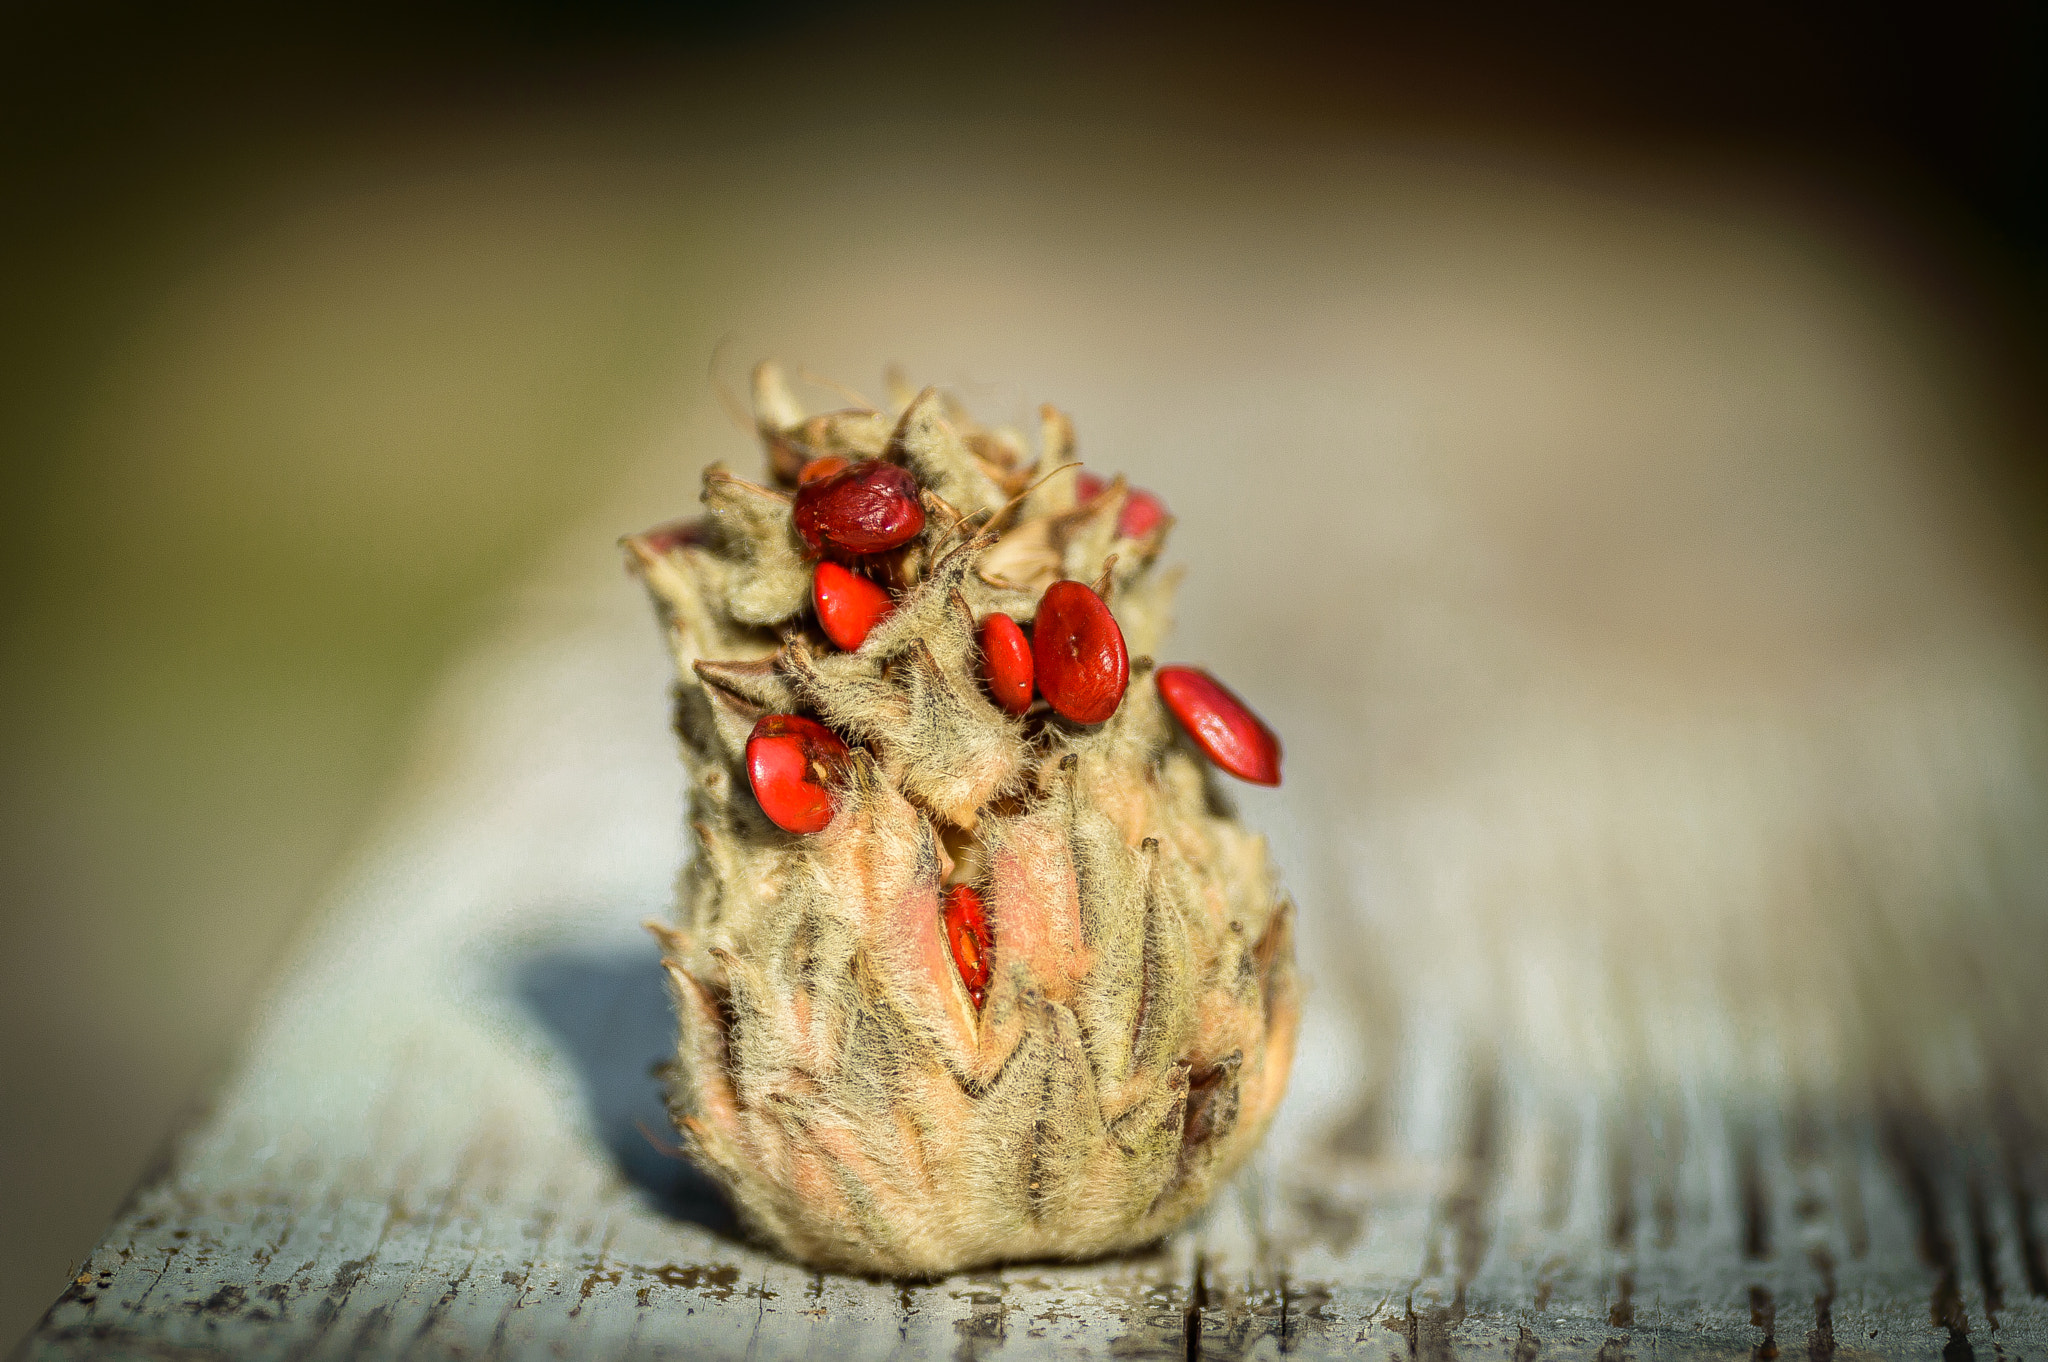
(319, 327)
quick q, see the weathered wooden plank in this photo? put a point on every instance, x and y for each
(445, 1141)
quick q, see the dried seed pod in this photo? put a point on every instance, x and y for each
(1222, 725)
(1021, 989)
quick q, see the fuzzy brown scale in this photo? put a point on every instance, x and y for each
(1135, 1025)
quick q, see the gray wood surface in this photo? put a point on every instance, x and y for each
(443, 1140)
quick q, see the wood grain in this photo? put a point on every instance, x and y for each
(444, 1141)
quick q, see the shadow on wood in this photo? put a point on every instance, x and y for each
(614, 1023)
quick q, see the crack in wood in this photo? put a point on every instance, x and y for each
(552, 1275)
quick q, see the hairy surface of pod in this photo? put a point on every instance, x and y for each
(960, 979)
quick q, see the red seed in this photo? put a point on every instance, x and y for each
(967, 933)
(1141, 510)
(1141, 513)
(1226, 730)
(824, 466)
(1079, 651)
(849, 605)
(867, 507)
(1006, 663)
(791, 763)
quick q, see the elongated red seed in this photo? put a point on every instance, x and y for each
(824, 466)
(849, 605)
(867, 507)
(791, 763)
(968, 934)
(1006, 663)
(1222, 725)
(1141, 510)
(1079, 654)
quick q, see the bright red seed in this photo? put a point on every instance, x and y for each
(1006, 662)
(967, 933)
(849, 605)
(1141, 511)
(824, 466)
(1228, 733)
(1079, 651)
(867, 507)
(791, 763)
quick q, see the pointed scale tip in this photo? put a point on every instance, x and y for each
(775, 406)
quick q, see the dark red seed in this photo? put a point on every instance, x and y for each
(967, 933)
(824, 466)
(1226, 730)
(849, 605)
(867, 507)
(791, 763)
(1006, 662)
(1079, 651)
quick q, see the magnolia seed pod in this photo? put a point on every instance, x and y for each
(961, 978)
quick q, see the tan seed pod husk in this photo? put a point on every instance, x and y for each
(832, 1070)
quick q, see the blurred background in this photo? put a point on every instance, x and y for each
(323, 327)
